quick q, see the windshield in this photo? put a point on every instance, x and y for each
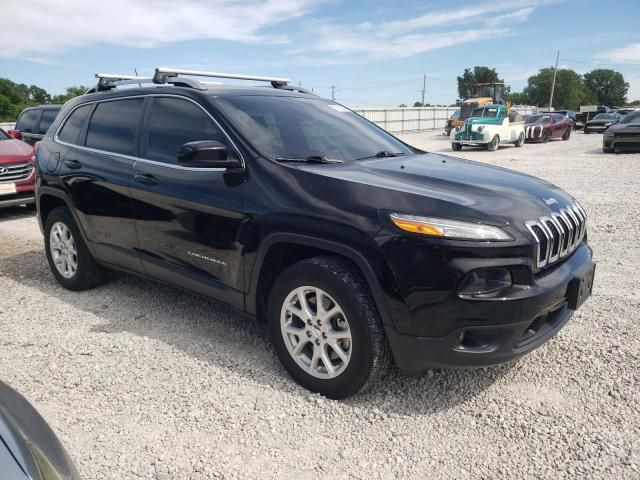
(485, 112)
(605, 116)
(544, 119)
(300, 127)
(631, 118)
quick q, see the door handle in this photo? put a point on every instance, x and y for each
(72, 164)
(145, 178)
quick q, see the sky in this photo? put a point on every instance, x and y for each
(373, 53)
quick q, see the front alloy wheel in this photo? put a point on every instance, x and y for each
(316, 332)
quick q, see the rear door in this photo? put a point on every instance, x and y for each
(46, 119)
(96, 172)
(188, 219)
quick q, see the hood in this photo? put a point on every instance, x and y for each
(601, 122)
(624, 127)
(14, 150)
(439, 185)
(485, 120)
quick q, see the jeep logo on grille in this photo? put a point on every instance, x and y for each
(549, 201)
(3, 170)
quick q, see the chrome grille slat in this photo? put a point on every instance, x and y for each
(559, 234)
(16, 172)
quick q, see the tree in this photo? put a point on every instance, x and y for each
(418, 104)
(402, 105)
(608, 86)
(518, 98)
(478, 75)
(569, 92)
(72, 92)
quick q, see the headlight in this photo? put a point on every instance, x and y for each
(607, 124)
(442, 227)
(480, 128)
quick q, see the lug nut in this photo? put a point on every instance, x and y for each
(309, 322)
(324, 335)
(317, 341)
(308, 334)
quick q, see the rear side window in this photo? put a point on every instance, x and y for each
(27, 121)
(113, 126)
(73, 126)
(174, 122)
(48, 116)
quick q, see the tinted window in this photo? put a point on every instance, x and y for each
(73, 126)
(113, 126)
(48, 116)
(174, 122)
(4, 136)
(631, 118)
(305, 126)
(27, 121)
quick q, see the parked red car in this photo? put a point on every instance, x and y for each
(542, 127)
(17, 173)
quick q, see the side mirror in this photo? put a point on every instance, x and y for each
(15, 134)
(206, 154)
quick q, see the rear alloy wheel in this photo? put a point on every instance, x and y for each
(456, 147)
(567, 134)
(325, 328)
(492, 146)
(520, 140)
(68, 256)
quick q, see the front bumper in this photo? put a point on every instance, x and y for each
(493, 331)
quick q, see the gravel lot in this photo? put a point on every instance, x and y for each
(143, 381)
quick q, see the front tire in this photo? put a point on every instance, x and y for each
(567, 135)
(325, 328)
(69, 258)
(456, 147)
(492, 146)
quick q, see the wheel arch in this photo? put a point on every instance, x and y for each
(283, 249)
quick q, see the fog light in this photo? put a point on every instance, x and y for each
(485, 281)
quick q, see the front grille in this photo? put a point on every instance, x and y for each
(559, 234)
(15, 172)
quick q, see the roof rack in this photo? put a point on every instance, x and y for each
(164, 75)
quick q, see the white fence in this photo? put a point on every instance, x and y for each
(416, 119)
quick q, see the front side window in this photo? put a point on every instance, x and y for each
(631, 118)
(48, 116)
(300, 127)
(174, 122)
(113, 126)
(27, 121)
(73, 126)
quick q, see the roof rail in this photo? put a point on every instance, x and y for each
(165, 75)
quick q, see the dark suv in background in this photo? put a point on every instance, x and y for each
(33, 123)
(356, 248)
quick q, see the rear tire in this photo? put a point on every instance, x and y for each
(520, 140)
(492, 146)
(69, 258)
(301, 332)
(456, 147)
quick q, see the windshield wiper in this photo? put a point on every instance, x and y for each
(382, 154)
(309, 159)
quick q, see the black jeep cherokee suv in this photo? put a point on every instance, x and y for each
(356, 248)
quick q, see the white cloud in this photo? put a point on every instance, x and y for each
(412, 36)
(45, 27)
(627, 54)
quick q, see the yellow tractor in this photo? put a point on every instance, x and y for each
(483, 94)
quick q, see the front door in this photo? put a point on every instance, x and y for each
(188, 219)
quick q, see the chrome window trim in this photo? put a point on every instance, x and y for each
(144, 160)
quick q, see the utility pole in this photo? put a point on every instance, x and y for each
(333, 93)
(424, 87)
(553, 85)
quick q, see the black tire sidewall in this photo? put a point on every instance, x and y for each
(357, 372)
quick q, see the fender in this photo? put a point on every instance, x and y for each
(62, 195)
(323, 244)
